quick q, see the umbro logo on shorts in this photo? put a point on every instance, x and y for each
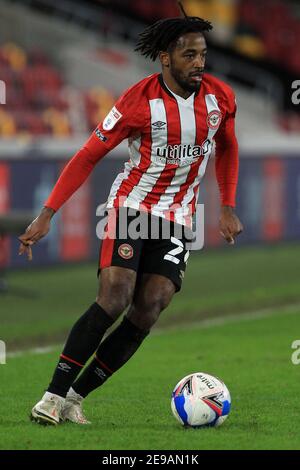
(159, 124)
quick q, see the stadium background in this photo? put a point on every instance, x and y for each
(63, 63)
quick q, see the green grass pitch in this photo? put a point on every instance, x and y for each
(251, 353)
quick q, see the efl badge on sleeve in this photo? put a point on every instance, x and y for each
(111, 119)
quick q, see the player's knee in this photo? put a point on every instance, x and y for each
(150, 318)
(147, 315)
(157, 300)
(116, 297)
(144, 320)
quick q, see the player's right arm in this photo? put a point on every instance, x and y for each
(118, 125)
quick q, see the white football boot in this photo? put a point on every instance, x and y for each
(48, 410)
(72, 408)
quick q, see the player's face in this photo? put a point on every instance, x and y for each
(187, 61)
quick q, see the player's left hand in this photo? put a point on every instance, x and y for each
(230, 225)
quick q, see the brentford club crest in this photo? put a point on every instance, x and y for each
(125, 251)
(214, 119)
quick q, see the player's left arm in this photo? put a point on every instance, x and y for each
(227, 167)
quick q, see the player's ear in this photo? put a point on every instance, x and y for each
(164, 59)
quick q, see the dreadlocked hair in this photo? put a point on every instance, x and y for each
(164, 33)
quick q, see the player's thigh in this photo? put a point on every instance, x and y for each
(167, 257)
(119, 259)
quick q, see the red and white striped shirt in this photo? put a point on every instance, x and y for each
(170, 141)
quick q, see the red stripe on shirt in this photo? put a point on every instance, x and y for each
(199, 110)
(136, 173)
(201, 135)
(174, 138)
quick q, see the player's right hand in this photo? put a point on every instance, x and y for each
(38, 228)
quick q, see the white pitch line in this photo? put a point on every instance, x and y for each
(43, 350)
(206, 323)
(234, 318)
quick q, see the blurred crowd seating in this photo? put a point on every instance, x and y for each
(36, 98)
(33, 91)
(268, 28)
(98, 101)
(257, 28)
(276, 25)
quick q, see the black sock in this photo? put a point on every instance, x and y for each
(112, 354)
(82, 342)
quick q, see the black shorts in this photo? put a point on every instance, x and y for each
(143, 247)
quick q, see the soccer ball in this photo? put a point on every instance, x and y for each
(200, 400)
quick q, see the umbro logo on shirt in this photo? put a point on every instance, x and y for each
(159, 124)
